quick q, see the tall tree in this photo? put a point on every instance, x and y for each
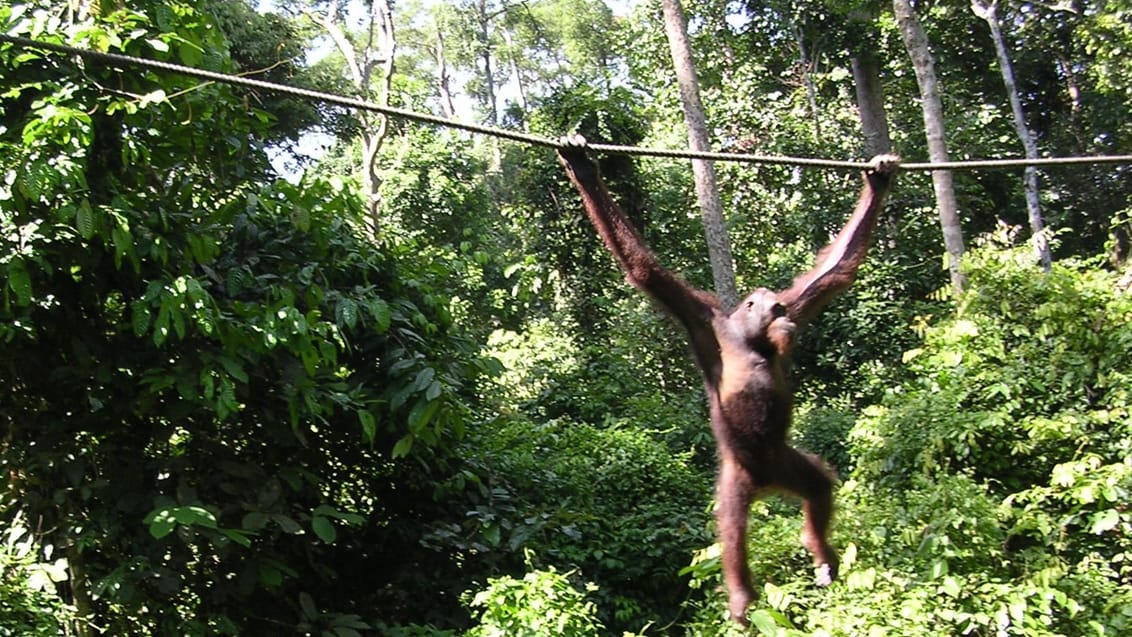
(369, 58)
(988, 11)
(443, 75)
(919, 50)
(707, 190)
(865, 66)
(482, 16)
(870, 102)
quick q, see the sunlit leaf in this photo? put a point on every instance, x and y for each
(1105, 521)
(403, 446)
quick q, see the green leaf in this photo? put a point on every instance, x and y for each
(369, 425)
(424, 377)
(310, 612)
(123, 244)
(381, 314)
(324, 529)
(301, 217)
(234, 368)
(764, 622)
(492, 534)
(140, 317)
(84, 220)
(163, 521)
(347, 313)
(403, 446)
(19, 281)
(194, 516)
(400, 397)
(422, 414)
(270, 576)
(239, 537)
(161, 525)
(1105, 521)
(254, 521)
(285, 523)
(189, 53)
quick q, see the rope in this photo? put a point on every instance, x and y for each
(348, 102)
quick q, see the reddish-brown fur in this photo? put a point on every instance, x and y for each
(744, 354)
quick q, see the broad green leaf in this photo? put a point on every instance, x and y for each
(161, 525)
(347, 313)
(194, 516)
(234, 368)
(324, 529)
(424, 377)
(422, 414)
(123, 244)
(285, 523)
(764, 622)
(1104, 521)
(239, 537)
(400, 397)
(403, 446)
(19, 281)
(401, 364)
(492, 534)
(270, 576)
(84, 219)
(369, 424)
(140, 317)
(254, 521)
(310, 611)
(381, 314)
(301, 217)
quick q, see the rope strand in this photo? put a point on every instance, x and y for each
(349, 102)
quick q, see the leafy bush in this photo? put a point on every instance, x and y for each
(544, 603)
(612, 504)
(1029, 373)
(989, 489)
(217, 391)
(30, 605)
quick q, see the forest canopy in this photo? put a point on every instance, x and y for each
(273, 366)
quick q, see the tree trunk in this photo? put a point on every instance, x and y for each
(485, 54)
(988, 11)
(916, 42)
(443, 77)
(707, 191)
(806, 66)
(870, 103)
(376, 52)
(522, 93)
(80, 592)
